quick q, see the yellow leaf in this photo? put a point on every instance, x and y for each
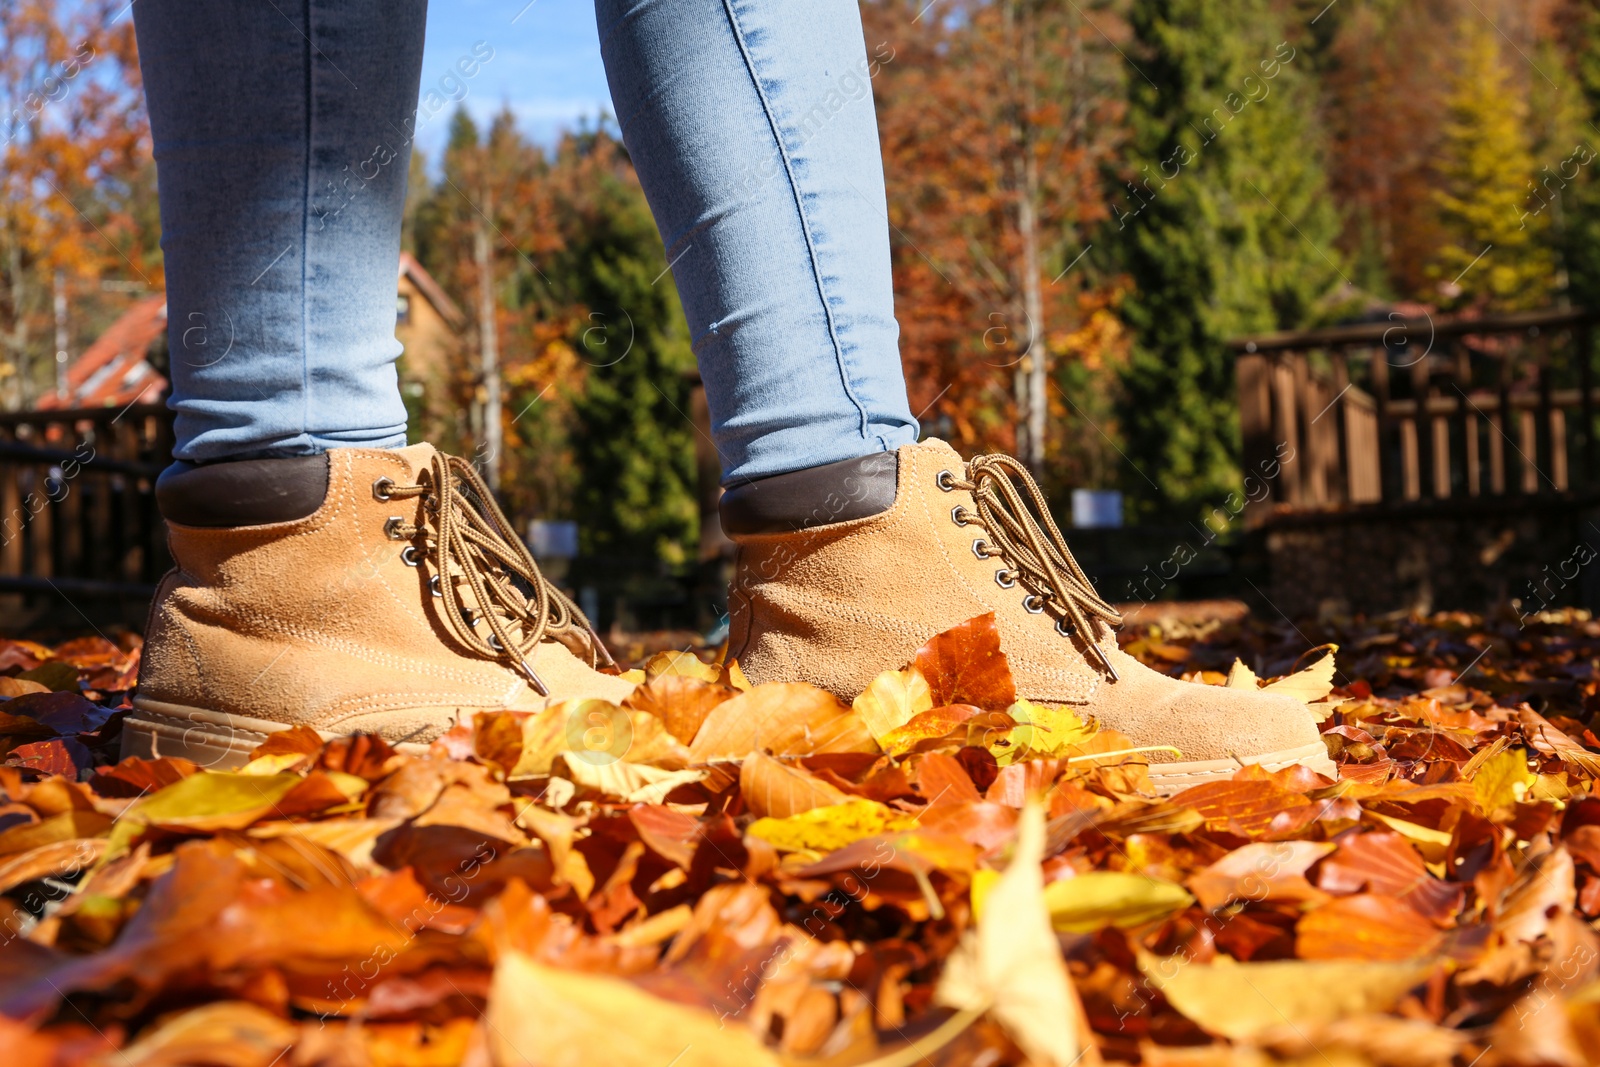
(1311, 684)
(1502, 781)
(1242, 677)
(737, 679)
(892, 699)
(830, 828)
(557, 1017)
(685, 663)
(1238, 1000)
(275, 763)
(209, 800)
(1430, 842)
(1088, 902)
(227, 1031)
(1010, 964)
(213, 800)
(1042, 730)
(68, 826)
(635, 783)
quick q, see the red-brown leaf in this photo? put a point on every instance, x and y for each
(964, 665)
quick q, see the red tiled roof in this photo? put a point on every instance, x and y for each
(409, 267)
(112, 371)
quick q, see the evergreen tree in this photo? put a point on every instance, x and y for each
(1224, 228)
(594, 352)
(1496, 221)
(632, 438)
(1576, 162)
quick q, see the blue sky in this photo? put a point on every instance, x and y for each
(546, 63)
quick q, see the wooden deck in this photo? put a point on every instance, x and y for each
(77, 502)
(1401, 411)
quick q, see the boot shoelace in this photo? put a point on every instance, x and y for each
(1028, 539)
(466, 536)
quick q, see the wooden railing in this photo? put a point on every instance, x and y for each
(77, 501)
(1420, 409)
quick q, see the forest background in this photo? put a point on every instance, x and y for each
(1086, 199)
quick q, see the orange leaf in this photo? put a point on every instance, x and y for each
(1248, 806)
(964, 665)
(783, 719)
(775, 789)
(1259, 872)
(679, 701)
(1365, 927)
(926, 726)
(1385, 862)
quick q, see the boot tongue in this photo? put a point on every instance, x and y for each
(417, 456)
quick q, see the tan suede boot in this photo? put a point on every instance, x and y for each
(390, 608)
(847, 597)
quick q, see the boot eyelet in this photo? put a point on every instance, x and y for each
(381, 489)
(980, 548)
(1005, 579)
(410, 556)
(958, 515)
(1065, 628)
(391, 529)
(471, 617)
(945, 481)
(1033, 603)
(433, 586)
(494, 643)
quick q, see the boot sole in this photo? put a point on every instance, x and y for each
(1170, 778)
(211, 739)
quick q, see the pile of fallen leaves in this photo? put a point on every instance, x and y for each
(939, 873)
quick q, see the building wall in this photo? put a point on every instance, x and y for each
(427, 366)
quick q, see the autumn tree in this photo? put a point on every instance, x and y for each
(995, 118)
(1575, 164)
(76, 180)
(593, 350)
(1223, 225)
(1496, 252)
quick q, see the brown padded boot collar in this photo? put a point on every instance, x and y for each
(243, 492)
(817, 496)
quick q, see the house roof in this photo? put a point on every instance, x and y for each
(113, 370)
(431, 290)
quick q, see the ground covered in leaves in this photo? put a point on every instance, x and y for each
(938, 874)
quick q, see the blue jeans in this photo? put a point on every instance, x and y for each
(282, 137)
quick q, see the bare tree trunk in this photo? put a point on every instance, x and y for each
(1032, 370)
(488, 348)
(1037, 362)
(19, 323)
(59, 282)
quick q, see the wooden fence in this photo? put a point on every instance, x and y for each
(1409, 410)
(77, 502)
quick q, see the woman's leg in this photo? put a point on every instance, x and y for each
(752, 128)
(282, 136)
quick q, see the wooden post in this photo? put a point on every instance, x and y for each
(1252, 373)
(1423, 423)
(1345, 490)
(1388, 487)
(1546, 442)
(1583, 352)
